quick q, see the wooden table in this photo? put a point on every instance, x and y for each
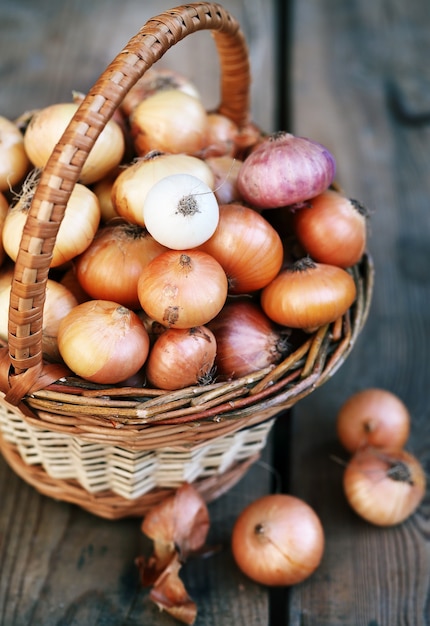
(356, 77)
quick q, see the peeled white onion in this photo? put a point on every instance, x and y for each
(181, 212)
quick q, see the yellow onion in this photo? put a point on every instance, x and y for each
(46, 128)
(131, 186)
(4, 208)
(153, 81)
(14, 162)
(59, 301)
(76, 232)
(169, 121)
(103, 341)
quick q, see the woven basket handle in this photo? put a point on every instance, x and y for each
(64, 166)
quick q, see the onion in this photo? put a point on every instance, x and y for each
(59, 301)
(285, 170)
(169, 121)
(374, 417)
(221, 136)
(181, 211)
(248, 248)
(46, 128)
(308, 295)
(76, 231)
(4, 208)
(181, 357)
(110, 268)
(278, 540)
(131, 186)
(103, 342)
(103, 190)
(182, 289)
(225, 170)
(384, 485)
(332, 229)
(246, 339)
(14, 162)
(153, 81)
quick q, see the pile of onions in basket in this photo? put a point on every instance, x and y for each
(202, 248)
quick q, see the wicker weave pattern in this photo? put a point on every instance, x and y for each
(128, 473)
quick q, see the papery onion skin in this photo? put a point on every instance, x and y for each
(247, 247)
(278, 540)
(384, 485)
(308, 295)
(373, 417)
(247, 340)
(332, 229)
(284, 170)
(110, 268)
(182, 289)
(103, 342)
(181, 357)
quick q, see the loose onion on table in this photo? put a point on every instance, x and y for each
(278, 540)
(308, 295)
(373, 417)
(183, 288)
(332, 228)
(284, 170)
(46, 128)
(181, 357)
(103, 341)
(384, 485)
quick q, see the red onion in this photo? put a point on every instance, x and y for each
(285, 170)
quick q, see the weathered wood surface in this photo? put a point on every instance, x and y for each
(60, 565)
(346, 55)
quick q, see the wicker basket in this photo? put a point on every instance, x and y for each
(118, 451)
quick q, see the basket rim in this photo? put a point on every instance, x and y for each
(22, 368)
(147, 416)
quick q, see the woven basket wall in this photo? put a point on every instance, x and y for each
(117, 451)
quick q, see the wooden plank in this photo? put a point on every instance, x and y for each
(59, 564)
(344, 56)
